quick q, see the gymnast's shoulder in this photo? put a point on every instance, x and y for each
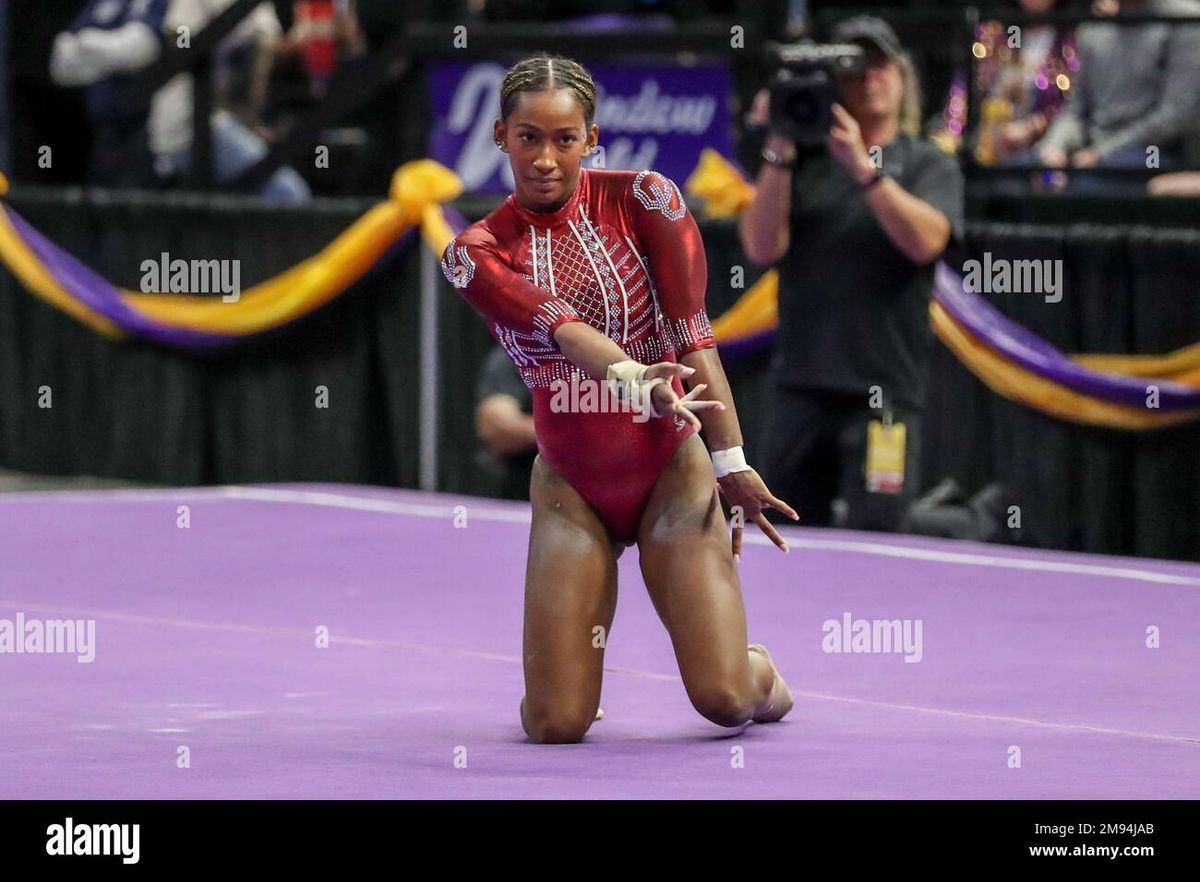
(642, 189)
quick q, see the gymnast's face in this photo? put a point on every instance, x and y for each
(546, 138)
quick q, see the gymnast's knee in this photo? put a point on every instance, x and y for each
(556, 726)
(724, 706)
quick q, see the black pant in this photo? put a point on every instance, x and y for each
(813, 449)
(121, 155)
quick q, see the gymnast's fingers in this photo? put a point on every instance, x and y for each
(682, 410)
(668, 369)
(769, 529)
(704, 404)
(782, 506)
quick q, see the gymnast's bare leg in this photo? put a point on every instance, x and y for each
(689, 570)
(570, 590)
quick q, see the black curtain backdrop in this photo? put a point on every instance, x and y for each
(247, 413)
(143, 412)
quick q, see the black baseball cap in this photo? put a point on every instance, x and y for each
(874, 30)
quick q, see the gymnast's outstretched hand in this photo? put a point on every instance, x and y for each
(746, 490)
(665, 401)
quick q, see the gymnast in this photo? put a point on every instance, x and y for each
(582, 274)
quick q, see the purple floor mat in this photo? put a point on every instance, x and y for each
(205, 640)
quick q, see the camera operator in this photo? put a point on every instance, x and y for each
(855, 228)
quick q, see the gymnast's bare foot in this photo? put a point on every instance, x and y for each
(780, 700)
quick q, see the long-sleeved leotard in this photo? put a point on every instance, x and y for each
(624, 255)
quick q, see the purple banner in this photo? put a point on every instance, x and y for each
(649, 117)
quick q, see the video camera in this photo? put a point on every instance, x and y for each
(804, 86)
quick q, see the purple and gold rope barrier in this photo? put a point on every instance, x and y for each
(415, 204)
(1121, 391)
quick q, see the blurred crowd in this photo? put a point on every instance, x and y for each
(1095, 96)
(1060, 96)
(111, 42)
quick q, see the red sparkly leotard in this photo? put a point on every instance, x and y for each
(624, 255)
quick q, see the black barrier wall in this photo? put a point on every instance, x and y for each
(247, 414)
(138, 411)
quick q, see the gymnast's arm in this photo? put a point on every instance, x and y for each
(586, 347)
(679, 267)
(512, 303)
(675, 252)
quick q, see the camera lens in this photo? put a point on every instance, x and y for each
(803, 107)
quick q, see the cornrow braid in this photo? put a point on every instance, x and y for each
(541, 72)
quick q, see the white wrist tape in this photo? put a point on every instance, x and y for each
(627, 381)
(621, 374)
(728, 461)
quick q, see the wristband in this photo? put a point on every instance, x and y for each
(726, 462)
(875, 179)
(777, 159)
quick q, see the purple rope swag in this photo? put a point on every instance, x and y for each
(1031, 352)
(89, 288)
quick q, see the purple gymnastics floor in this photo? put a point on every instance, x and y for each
(1035, 679)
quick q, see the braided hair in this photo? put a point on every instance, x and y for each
(541, 72)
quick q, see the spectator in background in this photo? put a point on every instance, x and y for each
(1021, 77)
(1024, 89)
(328, 39)
(113, 40)
(237, 144)
(504, 423)
(1137, 88)
(102, 50)
(856, 246)
(321, 32)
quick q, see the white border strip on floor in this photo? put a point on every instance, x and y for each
(384, 644)
(518, 515)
